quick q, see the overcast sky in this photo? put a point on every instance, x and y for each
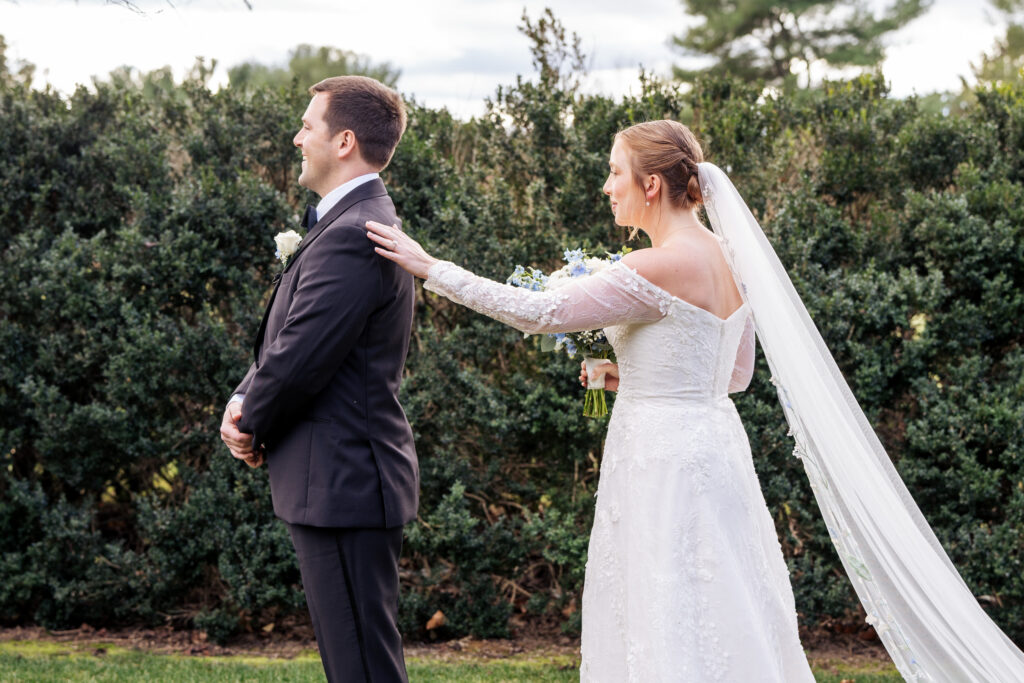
(452, 53)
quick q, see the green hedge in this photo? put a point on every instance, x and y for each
(136, 232)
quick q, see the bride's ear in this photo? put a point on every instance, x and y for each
(652, 187)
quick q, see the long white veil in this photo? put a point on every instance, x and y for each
(931, 624)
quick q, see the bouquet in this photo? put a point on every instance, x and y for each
(591, 344)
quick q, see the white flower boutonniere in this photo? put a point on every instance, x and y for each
(287, 243)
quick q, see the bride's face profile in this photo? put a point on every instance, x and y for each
(627, 198)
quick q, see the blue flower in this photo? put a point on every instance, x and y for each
(574, 255)
(578, 269)
(616, 257)
(519, 278)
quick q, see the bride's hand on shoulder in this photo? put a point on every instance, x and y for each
(610, 372)
(395, 245)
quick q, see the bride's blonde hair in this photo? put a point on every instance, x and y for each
(668, 149)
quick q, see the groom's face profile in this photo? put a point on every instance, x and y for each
(321, 151)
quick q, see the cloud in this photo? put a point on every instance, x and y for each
(477, 61)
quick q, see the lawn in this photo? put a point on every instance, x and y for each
(52, 661)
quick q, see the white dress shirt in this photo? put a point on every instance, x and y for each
(335, 195)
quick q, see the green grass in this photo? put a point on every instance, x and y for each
(49, 661)
(64, 662)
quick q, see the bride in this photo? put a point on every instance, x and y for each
(685, 577)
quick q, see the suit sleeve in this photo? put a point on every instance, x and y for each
(243, 386)
(338, 286)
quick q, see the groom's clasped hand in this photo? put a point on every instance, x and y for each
(239, 443)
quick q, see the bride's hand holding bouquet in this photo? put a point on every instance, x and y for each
(604, 376)
(592, 345)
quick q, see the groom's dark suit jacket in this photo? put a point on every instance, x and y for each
(322, 396)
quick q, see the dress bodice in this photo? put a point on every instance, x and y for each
(689, 354)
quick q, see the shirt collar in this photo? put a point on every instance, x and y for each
(336, 195)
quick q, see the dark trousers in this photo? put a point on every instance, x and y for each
(350, 577)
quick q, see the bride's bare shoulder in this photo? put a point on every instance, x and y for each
(683, 270)
(663, 265)
(655, 259)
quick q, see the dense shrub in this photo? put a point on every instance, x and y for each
(136, 240)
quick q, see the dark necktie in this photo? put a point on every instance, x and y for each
(309, 218)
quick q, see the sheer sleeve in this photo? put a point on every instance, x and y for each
(743, 370)
(612, 296)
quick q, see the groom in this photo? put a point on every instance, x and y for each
(320, 404)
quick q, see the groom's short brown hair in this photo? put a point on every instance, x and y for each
(368, 108)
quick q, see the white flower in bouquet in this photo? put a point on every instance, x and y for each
(559, 278)
(596, 265)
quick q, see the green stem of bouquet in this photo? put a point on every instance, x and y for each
(594, 403)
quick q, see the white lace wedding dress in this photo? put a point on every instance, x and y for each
(685, 577)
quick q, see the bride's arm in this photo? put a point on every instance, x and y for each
(743, 369)
(613, 296)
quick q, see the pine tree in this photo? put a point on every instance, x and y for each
(765, 39)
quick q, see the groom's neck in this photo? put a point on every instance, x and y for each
(345, 173)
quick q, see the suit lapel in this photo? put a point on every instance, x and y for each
(373, 188)
(370, 189)
(263, 323)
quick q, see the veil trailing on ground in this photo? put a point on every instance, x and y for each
(924, 613)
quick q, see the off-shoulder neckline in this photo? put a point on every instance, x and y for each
(672, 297)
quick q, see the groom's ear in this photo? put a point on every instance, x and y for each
(346, 144)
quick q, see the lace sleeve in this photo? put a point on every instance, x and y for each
(743, 370)
(613, 296)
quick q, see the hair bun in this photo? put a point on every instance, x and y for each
(693, 190)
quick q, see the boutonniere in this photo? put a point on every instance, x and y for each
(287, 243)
